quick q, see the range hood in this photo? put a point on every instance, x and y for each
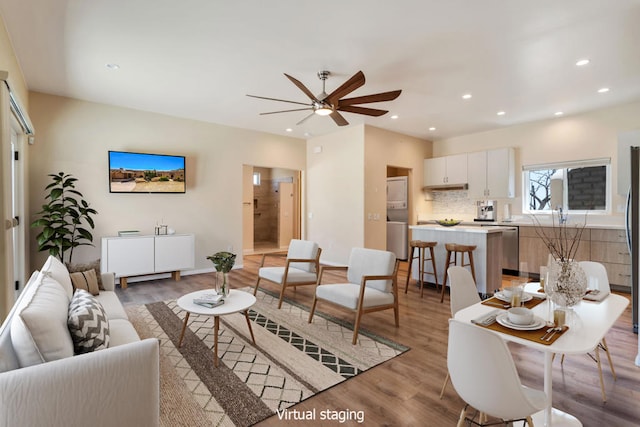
(446, 187)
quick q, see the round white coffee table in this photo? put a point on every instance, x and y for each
(237, 301)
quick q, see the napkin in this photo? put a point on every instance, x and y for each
(487, 319)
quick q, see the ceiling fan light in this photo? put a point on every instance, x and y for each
(324, 111)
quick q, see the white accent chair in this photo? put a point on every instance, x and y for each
(301, 267)
(463, 293)
(371, 285)
(484, 375)
(597, 279)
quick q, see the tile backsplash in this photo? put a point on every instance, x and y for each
(453, 202)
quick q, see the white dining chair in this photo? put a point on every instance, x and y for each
(301, 267)
(484, 375)
(597, 279)
(463, 293)
(371, 285)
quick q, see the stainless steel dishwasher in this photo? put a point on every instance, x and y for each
(510, 261)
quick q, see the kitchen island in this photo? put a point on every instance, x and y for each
(487, 257)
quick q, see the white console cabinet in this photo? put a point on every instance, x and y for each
(140, 255)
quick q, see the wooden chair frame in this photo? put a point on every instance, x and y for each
(360, 310)
(285, 283)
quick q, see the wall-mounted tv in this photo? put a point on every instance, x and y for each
(146, 173)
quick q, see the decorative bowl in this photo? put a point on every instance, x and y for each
(448, 222)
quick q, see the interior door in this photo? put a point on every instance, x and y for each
(17, 214)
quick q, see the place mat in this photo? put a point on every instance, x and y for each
(534, 336)
(498, 303)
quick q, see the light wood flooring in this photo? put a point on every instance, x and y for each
(405, 391)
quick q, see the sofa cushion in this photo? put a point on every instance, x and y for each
(85, 280)
(112, 305)
(54, 268)
(88, 323)
(122, 332)
(39, 330)
(93, 265)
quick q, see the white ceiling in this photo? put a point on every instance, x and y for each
(199, 58)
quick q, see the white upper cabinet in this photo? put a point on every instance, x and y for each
(491, 174)
(445, 171)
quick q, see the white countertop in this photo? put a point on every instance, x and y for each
(526, 222)
(460, 228)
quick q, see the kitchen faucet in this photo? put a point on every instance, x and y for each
(562, 218)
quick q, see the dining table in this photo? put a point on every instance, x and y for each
(588, 323)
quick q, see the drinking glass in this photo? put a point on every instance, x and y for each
(516, 293)
(544, 271)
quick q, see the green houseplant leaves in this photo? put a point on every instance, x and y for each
(65, 218)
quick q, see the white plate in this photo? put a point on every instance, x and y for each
(538, 323)
(525, 297)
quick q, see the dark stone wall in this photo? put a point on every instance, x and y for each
(587, 188)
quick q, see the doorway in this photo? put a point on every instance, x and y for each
(271, 208)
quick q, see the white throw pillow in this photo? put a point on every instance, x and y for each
(88, 323)
(39, 330)
(56, 269)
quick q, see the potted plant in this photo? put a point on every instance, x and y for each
(65, 218)
(223, 262)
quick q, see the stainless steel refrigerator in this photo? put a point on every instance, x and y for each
(629, 171)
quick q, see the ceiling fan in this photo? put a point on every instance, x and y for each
(333, 103)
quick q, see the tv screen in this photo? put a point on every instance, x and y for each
(146, 173)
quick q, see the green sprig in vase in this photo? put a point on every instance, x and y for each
(223, 262)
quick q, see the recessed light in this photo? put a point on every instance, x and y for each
(558, 113)
(289, 130)
(432, 128)
(112, 66)
(501, 113)
(395, 116)
(603, 90)
(466, 96)
(582, 62)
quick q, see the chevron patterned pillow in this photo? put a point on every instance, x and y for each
(88, 323)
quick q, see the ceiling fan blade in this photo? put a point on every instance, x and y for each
(286, 111)
(337, 117)
(302, 87)
(306, 118)
(366, 99)
(363, 110)
(276, 99)
(347, 87)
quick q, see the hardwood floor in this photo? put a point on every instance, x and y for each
(405, 390)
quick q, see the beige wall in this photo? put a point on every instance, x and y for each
(385, 148)
(8, 62)
(347, 180)
(583, 136)
(74, 137)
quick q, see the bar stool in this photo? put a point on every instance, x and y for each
(422, 248)
(455, 249)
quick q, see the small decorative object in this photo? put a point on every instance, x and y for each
(567, 282)
(223, 262)
(448, 222)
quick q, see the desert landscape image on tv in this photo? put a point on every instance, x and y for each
(145, 173)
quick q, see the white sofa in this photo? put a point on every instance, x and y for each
(48, 385)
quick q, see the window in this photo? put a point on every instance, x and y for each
(581, 186)
(256, 178)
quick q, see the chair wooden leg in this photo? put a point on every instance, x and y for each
(406, 286)
(421, 269)
(255, 288)
(446, 271)
(606, 349)
(604, 396)
(281, 296)
(463, 415)
(433, 265)
(529, 421)
(444, 386)
(356, 327)
(473, 270)
(313, 308)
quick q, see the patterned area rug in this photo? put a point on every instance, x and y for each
(292, 360)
